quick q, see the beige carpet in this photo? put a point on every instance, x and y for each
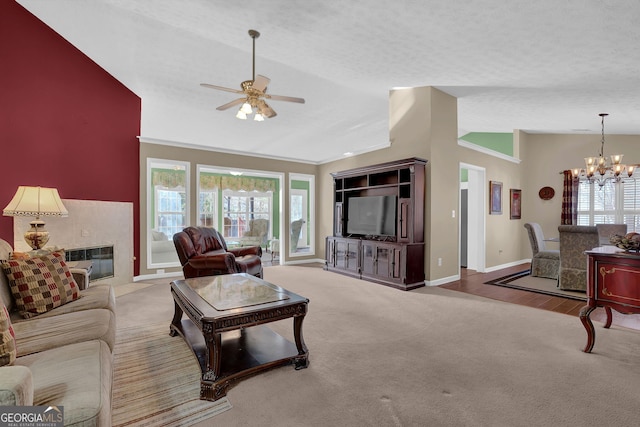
(156, 380)
(384, 357)
(541, 285)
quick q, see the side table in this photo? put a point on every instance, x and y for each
(613, 282)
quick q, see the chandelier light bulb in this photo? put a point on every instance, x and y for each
(241, 115)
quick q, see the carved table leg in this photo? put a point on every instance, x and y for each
(588, 325)
(302, 360)
(177, 317)
(609, 317)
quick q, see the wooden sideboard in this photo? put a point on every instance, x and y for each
(613, 282)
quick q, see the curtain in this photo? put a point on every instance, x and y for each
(168, 178)
(236, 183)
(569, 215)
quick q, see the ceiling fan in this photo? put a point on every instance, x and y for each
(254, 91)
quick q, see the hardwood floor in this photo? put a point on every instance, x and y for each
(472, 282)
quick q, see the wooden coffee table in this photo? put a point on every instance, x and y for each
(225, 327)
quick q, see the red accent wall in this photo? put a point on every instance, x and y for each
(64, 121)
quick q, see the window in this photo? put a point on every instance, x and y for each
(170, 210)
(208, 208)
(240, 207)
(611, 203)
(301, 214)
(167, 209)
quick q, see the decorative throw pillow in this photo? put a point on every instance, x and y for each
(7, 339)
(40, 284)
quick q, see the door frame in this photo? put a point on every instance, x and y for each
(476, 217)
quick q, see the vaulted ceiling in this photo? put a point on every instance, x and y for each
(545, 66)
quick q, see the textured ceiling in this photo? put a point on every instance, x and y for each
(546, 66)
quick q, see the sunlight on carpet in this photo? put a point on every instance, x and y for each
(157, 380)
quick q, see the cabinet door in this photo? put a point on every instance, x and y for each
(404, 221)
(338, 219)
(389, 261)
(346, 254)
(368, 258)
(353, 254)
(330, 252)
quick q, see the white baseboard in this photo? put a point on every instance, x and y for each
(507, 265)
(442, 281)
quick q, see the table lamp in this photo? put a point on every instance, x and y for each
(36, 201)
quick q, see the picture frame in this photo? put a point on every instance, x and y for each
(515, 205)
(495, 198)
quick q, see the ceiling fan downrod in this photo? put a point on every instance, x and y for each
(254, 35)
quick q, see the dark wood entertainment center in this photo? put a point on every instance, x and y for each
(393, 258)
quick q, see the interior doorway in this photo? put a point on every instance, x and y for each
(472, 208)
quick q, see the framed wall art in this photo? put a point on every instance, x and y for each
(515, 197)
(495, 198)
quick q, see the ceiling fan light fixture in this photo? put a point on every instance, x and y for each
(254, 92)
(246, 108)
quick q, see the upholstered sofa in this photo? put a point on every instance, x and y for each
(574, 241)
(61, 357)
(203, 252)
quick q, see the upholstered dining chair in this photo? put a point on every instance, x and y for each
(203, 252)
(574, 241)
(605, 231)
(544, 262)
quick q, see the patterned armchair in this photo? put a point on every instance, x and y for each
(296, 229)
(258, 233)
(544, 262)
(574, 241)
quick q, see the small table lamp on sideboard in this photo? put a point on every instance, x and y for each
(36, 201)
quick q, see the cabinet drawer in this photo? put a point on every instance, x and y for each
(618, 283)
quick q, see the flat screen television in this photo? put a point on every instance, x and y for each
(372, 216)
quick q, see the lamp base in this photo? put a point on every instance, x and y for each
(36, 236)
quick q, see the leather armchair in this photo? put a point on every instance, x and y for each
(203, 252)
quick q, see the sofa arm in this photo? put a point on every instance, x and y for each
(246, 250)
(16, 386)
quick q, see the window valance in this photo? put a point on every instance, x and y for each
(236, 183)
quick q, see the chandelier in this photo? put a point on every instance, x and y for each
(599, 170)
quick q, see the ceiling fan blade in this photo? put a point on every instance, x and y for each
(260, 83)
(285, 98)
(226, 89)
(231, 104)
(265, 110)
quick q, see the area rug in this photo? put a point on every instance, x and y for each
(523, 281)
(156, 380)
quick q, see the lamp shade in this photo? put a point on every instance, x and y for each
(35, 201)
